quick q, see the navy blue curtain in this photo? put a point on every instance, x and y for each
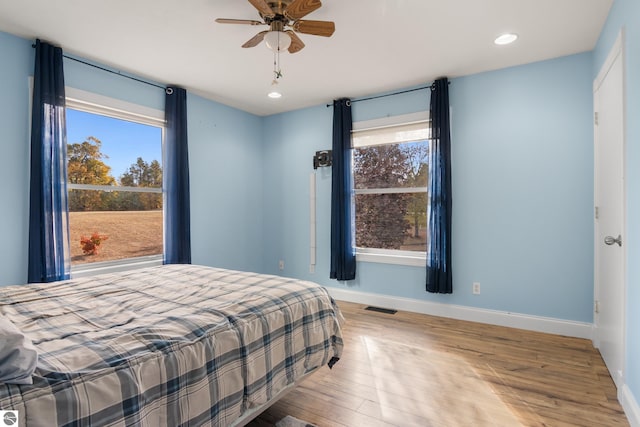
(439, 277)
(177, 232)
(48, 207)
(343, 257)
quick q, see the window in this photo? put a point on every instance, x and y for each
(390, 175)
(114, 182)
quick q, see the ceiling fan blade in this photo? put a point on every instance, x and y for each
(316, 28)
(263, 8)
(300, 8)
(296, 44)
(255, 40)
(239, 21)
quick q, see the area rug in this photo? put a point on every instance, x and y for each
(290, 421)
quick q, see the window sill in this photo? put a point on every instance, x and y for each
(92, 269)
(414, 261)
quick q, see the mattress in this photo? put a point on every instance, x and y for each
(174, 345)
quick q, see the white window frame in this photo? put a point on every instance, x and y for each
(390, 256)
(103, 105)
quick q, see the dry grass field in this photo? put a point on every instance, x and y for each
(130, 234)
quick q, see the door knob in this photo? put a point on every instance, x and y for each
(610, 240)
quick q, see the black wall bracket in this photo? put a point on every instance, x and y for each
(322, 159)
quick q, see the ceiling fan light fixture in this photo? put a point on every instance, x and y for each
(274, 95)
(506, 38)
(277, 41)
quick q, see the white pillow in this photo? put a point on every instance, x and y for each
(18, 356)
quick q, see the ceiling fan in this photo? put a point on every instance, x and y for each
(284, 20)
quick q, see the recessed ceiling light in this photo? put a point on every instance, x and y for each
(506, 38)
(274, 95)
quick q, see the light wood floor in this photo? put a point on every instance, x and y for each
(415, 370)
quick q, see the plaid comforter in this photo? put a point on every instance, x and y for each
(166, 346)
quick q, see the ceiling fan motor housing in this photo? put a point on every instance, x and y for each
(278, 7)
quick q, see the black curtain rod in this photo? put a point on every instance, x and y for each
(388, 94)
(119, 73)
(391, 94)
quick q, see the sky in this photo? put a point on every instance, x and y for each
(122, 141)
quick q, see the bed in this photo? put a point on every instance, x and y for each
(173, 345)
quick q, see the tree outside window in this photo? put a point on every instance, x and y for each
(390, 169)
(115, 199)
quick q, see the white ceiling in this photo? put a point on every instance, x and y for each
(378, 45)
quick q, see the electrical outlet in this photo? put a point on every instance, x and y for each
(281, 264)
(476, 288)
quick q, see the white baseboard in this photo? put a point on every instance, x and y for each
(630, 406)
(481, 315)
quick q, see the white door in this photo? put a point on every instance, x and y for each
(610, 207)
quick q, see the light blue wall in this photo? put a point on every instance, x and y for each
(16, 65)
(224, 152)
(225, 164)
(626, 14)
(291, 140)
(523, 188)
(522, 185)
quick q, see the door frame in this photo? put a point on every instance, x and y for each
(616, 50)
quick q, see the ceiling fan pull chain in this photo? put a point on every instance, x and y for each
(277, 72)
